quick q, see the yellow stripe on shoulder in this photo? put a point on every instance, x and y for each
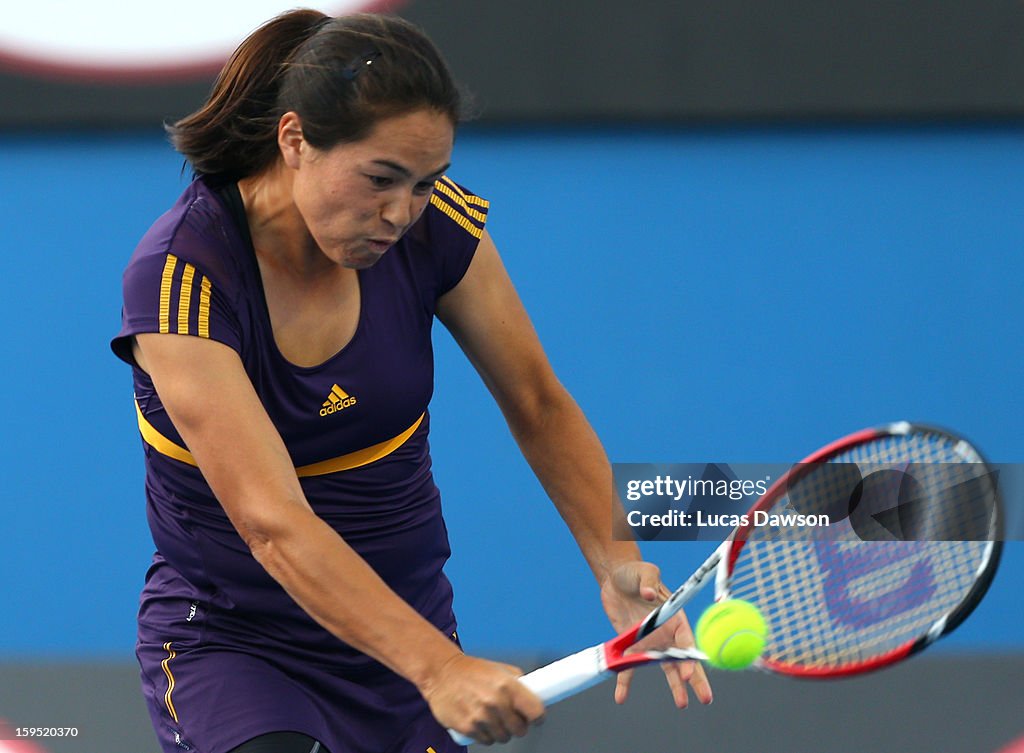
(185, 298)
(190, 281)
(458, 217)
(166, 282)
(453, 203)
(470, 198)
(205, 291)
(460, 198)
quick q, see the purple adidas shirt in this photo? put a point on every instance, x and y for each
(356, 426)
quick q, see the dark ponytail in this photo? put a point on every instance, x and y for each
(340, 75)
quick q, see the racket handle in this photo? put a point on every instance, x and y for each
(460, 738)
(568, 676)
(561, 679)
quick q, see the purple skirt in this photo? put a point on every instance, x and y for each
(213, 679)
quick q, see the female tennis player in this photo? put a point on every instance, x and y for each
(278, 320)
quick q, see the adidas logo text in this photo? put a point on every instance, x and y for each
(336, 401)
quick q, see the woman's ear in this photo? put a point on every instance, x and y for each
(289, 138)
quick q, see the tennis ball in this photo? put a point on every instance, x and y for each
(732, 633)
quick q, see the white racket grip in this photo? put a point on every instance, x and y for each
(561, 679)
(568, 676)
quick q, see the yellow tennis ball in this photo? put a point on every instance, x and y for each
(732, 633)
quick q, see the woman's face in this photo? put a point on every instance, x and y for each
(357, 199)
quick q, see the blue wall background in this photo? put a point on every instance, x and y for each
(719, 295)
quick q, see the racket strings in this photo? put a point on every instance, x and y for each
(829, 619)
(890, 491)
(854, 591)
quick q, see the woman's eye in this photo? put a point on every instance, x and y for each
(379, 181)
(424, 188)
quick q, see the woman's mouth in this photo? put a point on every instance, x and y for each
(380, 245)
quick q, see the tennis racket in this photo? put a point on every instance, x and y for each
(912, 547)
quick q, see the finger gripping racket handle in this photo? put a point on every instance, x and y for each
(561, 679)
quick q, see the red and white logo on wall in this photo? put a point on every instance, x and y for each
(141, 41)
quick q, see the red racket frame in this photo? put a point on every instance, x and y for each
(952, 619)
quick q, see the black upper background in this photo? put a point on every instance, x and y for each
(689, 61)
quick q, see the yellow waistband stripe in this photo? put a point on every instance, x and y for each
(346, 462)
(359, 457)
(159, 442)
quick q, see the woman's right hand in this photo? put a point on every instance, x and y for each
(482, 699)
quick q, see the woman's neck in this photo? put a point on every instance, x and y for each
(279, 234)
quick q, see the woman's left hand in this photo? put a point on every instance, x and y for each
(628, 594)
